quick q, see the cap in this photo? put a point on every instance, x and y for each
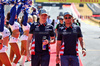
(68, 13)
(61, 18)
(43, 11)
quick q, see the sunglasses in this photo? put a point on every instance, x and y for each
(68, 17)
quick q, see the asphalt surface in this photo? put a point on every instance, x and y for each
(91, 38)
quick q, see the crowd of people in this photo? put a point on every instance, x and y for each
(36, 31)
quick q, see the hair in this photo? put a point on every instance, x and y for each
(77, 20)
(49, 16)
(22, 20)
(34, 18)
(8, 15)
(29, 17)
(18, 20)
(53, 20)
(38, 19)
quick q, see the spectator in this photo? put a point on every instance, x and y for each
(49, 21)
(60, 25)
(78, 23)
(56, 22)
(30, 20)
(53, 21)
(34, 18)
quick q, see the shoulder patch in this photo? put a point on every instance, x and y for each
(35, 23)
(48, 25)
(62, 27)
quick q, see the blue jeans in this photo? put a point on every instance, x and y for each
(69, 60)
(37, 60)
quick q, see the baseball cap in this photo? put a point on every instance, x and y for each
(43, 11)
(61, 18)
(68, 13)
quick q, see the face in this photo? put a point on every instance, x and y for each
(31, 19)
(57, 17)
(68, 19)
(48, 16)
(61, 21)
(43, 17)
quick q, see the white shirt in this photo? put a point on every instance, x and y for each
(6, 32)
(27, 27)
(15, 26)
(49, 21)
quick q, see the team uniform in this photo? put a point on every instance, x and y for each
(69, 49)
(24, 37)
(1, 17)
(13, 27)
(59, 26)
(40, 56)
(4, 49)
(5, 33)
